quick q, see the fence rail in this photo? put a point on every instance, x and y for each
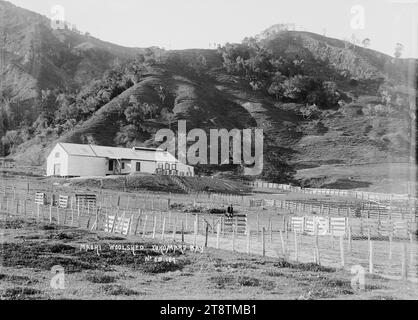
(301, 207)
(364, 195)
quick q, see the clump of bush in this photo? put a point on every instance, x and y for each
(100, 278)
(59, 247)
(13, 224)
(19, 293)
(248, 281)
(221, 280)
(217, 211)
(158, 267)
(118, 290)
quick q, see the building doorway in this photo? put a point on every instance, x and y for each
(57, 169)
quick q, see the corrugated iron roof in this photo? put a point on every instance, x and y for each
(146, 154)
(78, 149)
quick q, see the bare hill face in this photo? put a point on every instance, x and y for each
(318, 100)
(36, 56)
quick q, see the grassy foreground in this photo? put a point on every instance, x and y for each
(30, 250)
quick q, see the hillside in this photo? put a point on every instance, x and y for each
(320, 101)
(38, 57)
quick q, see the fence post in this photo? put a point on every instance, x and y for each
(78, 214)
(144, 227)
(218, 233)
(163, 229)
(65, 216)
(350, 239)
(113, 224)
(258, 227)
(233, 238)
(248, 239)
(404, 272)
(138, 222)
(317, 253)
(182, 232)
(342, 251)
(174, 230)
(154, 227)
(263, 241)
(283, 244)
(296, 246)
(72, 216)
(206, 235)
(390, 245)
(195, 233)
(97, 218)
(370, 256)
(411, 252)
(213, 224)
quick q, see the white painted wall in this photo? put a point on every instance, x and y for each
(57, 156)
(147, 166)
(82, 166)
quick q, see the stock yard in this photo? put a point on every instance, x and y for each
(285, 245)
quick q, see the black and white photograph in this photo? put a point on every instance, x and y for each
(211, 152)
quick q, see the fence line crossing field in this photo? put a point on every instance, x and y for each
(382, 244)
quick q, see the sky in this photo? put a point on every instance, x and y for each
(181, 24)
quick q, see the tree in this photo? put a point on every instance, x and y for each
(127, 135)
(48, 106)
(276, 87)
(198, 64)
(11, 140)
(135, 112)
(309, 111)
(366, 42)
(398, 50)
(161, 94)
(294, 88)
(276, 169)
(169, 116)
(354, 41)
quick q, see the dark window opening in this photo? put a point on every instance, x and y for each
(138, 166)
(110, 165)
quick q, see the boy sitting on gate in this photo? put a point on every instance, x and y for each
(230, 211)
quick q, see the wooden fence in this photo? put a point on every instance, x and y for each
(297, 238)
(348, 210)
(363, 195)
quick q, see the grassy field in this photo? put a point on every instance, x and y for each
(380, 177)
(29, 251)
(31, 246)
